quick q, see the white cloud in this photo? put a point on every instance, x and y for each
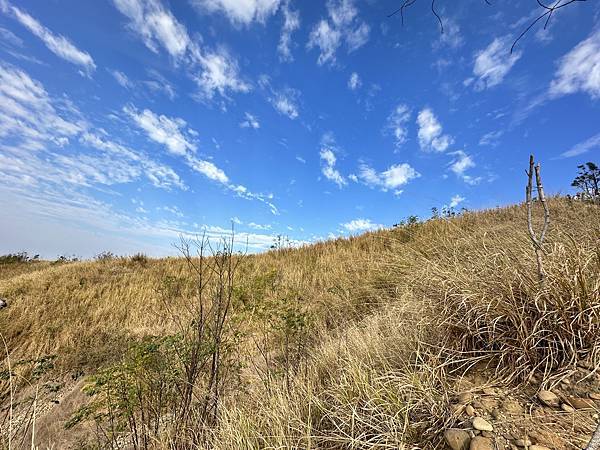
(122, 79)
(220, 74)
(328, 160)
(208, 169)
(361, 225)
(492, 138)
(342, 26)
(29, 116)
(214, 71)
(164, 130)
(157, 83)
(397, 123)
(173, 210)
(240, 11)
(394, 177)
(354, 81)
(36, 124)
(156, 25)
(430, 132)
(456, 200)
(250, 122)
(286, 102)
(291, 22)
(461, 163)
(57, 44)
(493, 63)
(172, 133)
(158, 174)
(451, 37)
(583, 147)
(257, 226)
(579, 70)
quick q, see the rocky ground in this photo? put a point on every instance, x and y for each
(561, 416)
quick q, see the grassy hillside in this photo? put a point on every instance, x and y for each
(386, 340)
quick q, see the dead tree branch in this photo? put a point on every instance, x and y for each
(547, 11)
(537, 241)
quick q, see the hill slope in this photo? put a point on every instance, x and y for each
(384, 340)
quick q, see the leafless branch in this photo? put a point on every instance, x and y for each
(547, 13)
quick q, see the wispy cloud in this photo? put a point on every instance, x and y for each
(56, 43)
(257, 226)
(29, 116)
(214, 71)
(354, 81)
(451, 37)
(431, 137)
(361, 225)
(250, 121)
(220, 74)
(397, 124)
(156, 84)
(342, 26)
(492, 64)
(460, 164)
(329, 160)
(175, 135)
(583, 147)
(579, 70)
(456, 200)
(172, 133)
(240, 11)
(122, 79)
(392, 178)
(285, 101)
(291, 22)
(491, 138)
(164, 130)
(41, 137)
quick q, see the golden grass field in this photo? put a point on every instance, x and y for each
(376, 341)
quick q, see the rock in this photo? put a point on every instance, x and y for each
(581, 403)
(481, 424)
(3, 303)
(538, 447)
(487, 434)
(512, 407)
(457, 439)
(567, 408)
(465, 397)
(478, 405)
(481, 443)
(496, 414)
(470, 410)
(549, 398)
(523, 442)
(594, 396)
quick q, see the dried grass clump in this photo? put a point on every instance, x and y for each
(492, 304)
(366, 387)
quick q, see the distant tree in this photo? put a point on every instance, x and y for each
(588, 180)
(545, 13)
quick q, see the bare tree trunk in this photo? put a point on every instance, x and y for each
(537, 242)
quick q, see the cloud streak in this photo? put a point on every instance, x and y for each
(56, 43)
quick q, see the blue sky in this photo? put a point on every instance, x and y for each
(126, 123)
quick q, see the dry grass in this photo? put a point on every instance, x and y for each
(395, 317)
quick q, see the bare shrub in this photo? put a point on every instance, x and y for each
(169, 388)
